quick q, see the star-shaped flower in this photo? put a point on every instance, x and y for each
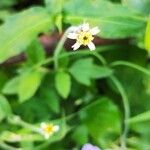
(48, 129)
(83, 36)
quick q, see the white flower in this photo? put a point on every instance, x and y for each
(48, 130)
(83, 36)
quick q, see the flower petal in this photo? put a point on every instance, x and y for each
(46, 135)
(72, 35)
(91, 46)
(85, 27)
(95, 30)
(43, 125)
(73, 29)
(89, 146)
(56, 128)
(76, 46)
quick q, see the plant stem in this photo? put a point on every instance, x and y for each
(126, 111)
(18, 121)
(85, 52)
(59, 48)
(131, 65)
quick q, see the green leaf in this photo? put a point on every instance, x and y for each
(140, 117)
(147, 36)
(54, 6)
(35, 52)
(7, 3)
(84, 70)
(118, 22)
(80, 135)
(49, 95)
(5, 108)
(102, 119)
(63, 83)
(58, 22)
(142, 6)
(20, 29)
(28, 84)
(11, 86)
(3, 79)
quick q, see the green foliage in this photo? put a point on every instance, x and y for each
(118, 22)
(35, 53)
(63, 83)
(141, 6)
(25, 85)
(80, 135)
(28, 84)
(102, 120)
(56, 8)
(5, 108)
(7, 3)
(83, 70)
(26, 26)
(107, 92)
(11, 86)
(147, 36)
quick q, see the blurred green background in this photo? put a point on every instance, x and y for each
(100, 97)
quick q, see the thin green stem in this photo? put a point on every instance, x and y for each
(84, 52)
(126, 111)
(131, 65)
(99, 57)
(59, 48)
(18, 121)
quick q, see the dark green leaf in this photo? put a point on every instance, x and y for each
(52, 100)
(102, 119)
(7, 3)
(80, 135)
(83, 70)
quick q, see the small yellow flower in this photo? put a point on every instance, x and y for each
(48, 129)
(83, 35)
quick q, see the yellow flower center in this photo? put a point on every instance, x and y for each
(49, 129)
(84, 38)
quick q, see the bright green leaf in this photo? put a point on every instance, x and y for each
(28, 84)
(20, 29)
(63, 83)
(84, 70)
(140, 117)
(5, 108)
(147, 36)
(35, 52)
(11, 86)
